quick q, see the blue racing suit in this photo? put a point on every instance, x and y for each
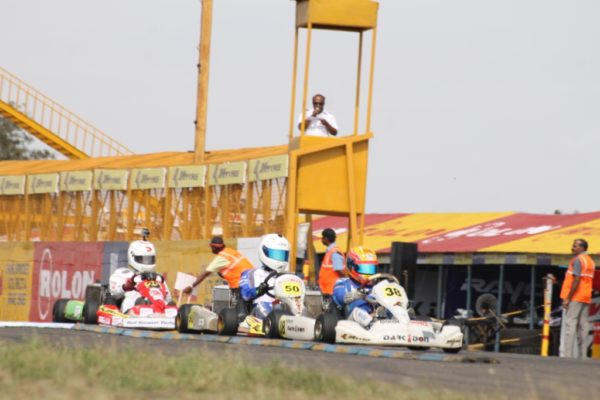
(344, 286)
(249, 282)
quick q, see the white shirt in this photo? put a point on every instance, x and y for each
(314, 126)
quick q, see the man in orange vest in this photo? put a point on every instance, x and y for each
(332, 266)
(228, 263)
(576, 294)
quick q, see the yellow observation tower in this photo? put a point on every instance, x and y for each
(183, 196)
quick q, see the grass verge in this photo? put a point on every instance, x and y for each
(38, 370)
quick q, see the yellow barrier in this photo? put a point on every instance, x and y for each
(596, 342)
(16, 269)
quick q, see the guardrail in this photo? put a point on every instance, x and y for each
(36, 112)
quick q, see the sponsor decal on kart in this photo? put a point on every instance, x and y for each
(406, 338)
(282, 327)
(421, 323)
(149, 323)
(104, 320)
(199, 322)
(454, 341)
(347, 336)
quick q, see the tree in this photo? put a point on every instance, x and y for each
(15, 144)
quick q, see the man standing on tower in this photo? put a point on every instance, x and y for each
(318, 122)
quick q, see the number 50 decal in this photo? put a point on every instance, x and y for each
(291, 288)
(392, 291)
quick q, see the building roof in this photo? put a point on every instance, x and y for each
(493, 232)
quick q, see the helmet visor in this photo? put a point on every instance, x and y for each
(276, 254)
(145, 260)
(366, 269)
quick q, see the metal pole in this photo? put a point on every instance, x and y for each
(532, 300)
(549, 281)
(358, 71)
(499, 308)
(439, 292)
(203, 68)
(294, 78)
(306, 70)
(469, 298)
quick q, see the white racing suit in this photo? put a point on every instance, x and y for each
(128, 298)
(360, 305)
(249, 282)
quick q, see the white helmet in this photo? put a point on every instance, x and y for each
(274, 252)
(141, 256)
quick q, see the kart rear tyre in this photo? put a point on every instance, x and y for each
(183, 317)
(228, 322)
(271, 324)
(90, 309)
(452, 351)
(58, 310)
(325, 327)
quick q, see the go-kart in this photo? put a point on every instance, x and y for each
(193, 318)
(150, 310)
(287, 320)
(390, 327)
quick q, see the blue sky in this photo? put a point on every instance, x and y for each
(478, 106)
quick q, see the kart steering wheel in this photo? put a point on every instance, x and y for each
(382, 277)
(270, 288)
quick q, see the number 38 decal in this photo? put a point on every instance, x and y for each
(392, 291)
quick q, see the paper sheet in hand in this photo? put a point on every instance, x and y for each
(184, 280)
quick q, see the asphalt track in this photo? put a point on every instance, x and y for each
(479, 373)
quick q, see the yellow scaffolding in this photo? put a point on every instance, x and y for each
(181, 196)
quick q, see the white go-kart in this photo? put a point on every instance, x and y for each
(288, 319)
(391, 325)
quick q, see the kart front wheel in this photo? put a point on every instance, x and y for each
(183, 318)
(58, 310)
(228, 322)
(325, 327)
(90, 312)
(271, 324)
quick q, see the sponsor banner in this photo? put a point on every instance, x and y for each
(110, 179)
(186, 177)
(42, 183)
(490, 235)
(471, 232)
(76, 181)
(114, 256)
(62, 270)
(12, 185)
(227, 173)
(15, 280)
(147, 178)
(268, 168)
(383, 229)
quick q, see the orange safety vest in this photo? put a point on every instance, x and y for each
(583, 294)
(327, 275)
(238, 263)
